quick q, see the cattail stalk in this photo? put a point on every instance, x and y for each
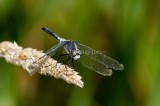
(28, 59)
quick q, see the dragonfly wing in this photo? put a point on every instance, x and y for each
(97, 61)
(52, 50)
(94, 65)
(36, 65)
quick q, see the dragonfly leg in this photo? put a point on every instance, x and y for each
(61, 56)
(75, 66)
(59, 59)
(54, 67)
(73, 63)
(68, 59)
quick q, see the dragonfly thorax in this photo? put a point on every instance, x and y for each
(72, 50)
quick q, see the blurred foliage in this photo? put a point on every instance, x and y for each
(128, 29)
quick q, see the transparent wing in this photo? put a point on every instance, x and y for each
(97, 61)
(52, 50)
(36, 65)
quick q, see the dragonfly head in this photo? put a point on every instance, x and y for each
(76, 54)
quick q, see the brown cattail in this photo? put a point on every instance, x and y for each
(31, 60)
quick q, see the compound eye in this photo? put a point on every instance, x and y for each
(79, 52)
(76, 57)
(74, 53)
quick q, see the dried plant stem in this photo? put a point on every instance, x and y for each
(27, 57)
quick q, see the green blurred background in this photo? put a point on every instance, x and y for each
(129, 30)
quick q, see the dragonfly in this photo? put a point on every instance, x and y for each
(85, 55)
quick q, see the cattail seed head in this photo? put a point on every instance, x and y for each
(28, 59)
